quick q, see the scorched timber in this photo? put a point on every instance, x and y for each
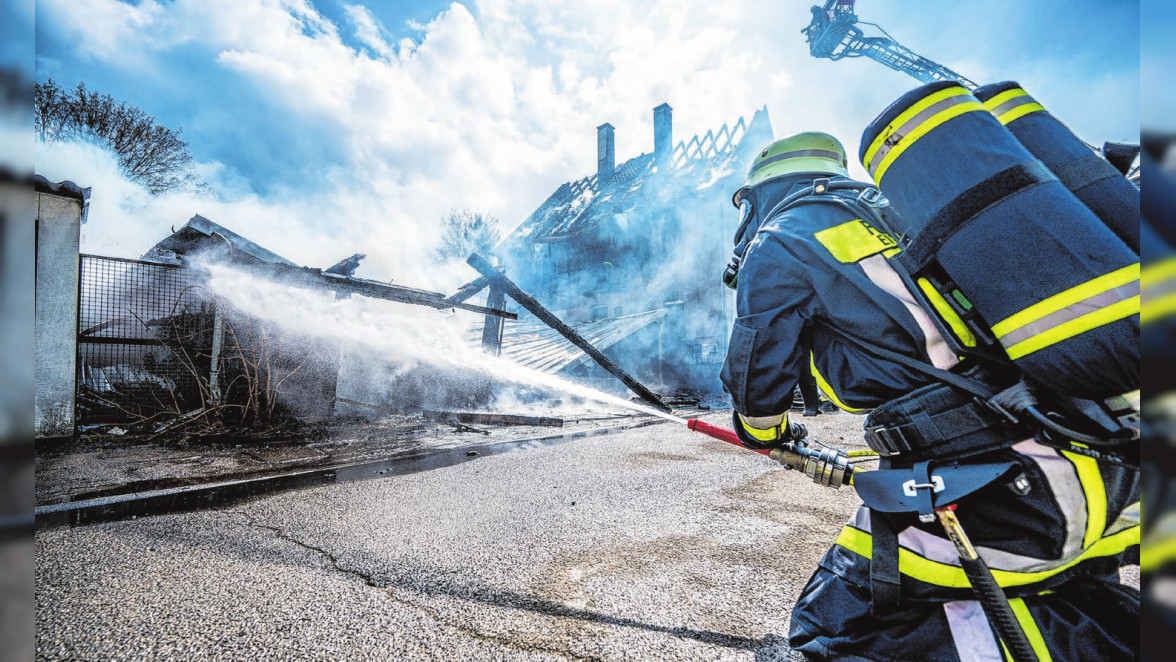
(315, 278)
(527, 301)
(492, 419)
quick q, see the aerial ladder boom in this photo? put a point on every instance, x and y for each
(834, 34)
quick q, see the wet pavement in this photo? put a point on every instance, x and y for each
(654, 543)
(206, 492)
(650, 544)
(99, 466)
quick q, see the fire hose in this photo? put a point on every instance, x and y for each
(824, 466)
(831, 467)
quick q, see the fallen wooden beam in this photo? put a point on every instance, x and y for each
(527, 301)
(468, 290)
(316, 278)
(492, 419)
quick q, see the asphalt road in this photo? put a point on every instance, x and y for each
(652, 544)
(655, 544)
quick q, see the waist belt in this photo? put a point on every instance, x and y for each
(938, 422)
(947, 419)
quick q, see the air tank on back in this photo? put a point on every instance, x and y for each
(1091, 178)
(1057, 288)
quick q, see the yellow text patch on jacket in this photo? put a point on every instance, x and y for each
(855, 240)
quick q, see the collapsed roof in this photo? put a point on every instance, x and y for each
(698, 164)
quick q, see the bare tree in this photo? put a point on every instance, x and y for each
(148, 153)
(465, 232)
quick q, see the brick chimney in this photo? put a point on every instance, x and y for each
(663, 137)
(606, 158)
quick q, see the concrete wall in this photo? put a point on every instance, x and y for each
(59, 221)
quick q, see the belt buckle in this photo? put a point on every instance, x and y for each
(887, 441)
(870, 195)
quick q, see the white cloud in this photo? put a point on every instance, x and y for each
(108, 30)
(368, 30)
(490, 108)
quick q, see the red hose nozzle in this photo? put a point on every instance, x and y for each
(722, 434)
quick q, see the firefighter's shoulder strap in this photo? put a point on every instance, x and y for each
(977, 388)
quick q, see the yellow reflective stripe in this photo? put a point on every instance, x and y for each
(1019, 112)
(1156, 272)
(1067, 298)
(1074, 327)
(854, 240)
(948, 314)
(1095, 492)
(1016, 111)
(1156, 309)
(1032, 632)
(943, 574)
(1059, 318)
(768, 434)
(904, 141)
(1008, 95)
(826, 389)
(1157, 553)
(923, 129)
(1159, 299)
(905, 117)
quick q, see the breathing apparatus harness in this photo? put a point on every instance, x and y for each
(984, 406)
(977, 416)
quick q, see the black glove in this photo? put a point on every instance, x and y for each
(793, 432)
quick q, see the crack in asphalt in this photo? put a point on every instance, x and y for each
(433, 614)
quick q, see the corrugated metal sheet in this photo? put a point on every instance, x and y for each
(200, 232)
(540, 347)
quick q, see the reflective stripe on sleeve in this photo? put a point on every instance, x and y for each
(1012, 105)
(763, 434)
(915, 122)
(1097, 302)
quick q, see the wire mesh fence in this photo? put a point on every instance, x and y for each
(144, 339)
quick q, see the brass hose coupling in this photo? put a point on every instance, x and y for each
(828, 467)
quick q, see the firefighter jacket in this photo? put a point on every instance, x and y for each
(815, 267)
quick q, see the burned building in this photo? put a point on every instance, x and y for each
(636, 250)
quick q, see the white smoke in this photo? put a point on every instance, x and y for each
(403, 335)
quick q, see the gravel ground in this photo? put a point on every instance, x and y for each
(651, 544)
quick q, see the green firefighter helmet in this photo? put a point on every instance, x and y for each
(809, 151)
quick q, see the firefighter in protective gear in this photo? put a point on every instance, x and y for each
(1054, 527)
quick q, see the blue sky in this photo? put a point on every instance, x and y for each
(323, 128)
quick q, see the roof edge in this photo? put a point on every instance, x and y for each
(64, 189)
